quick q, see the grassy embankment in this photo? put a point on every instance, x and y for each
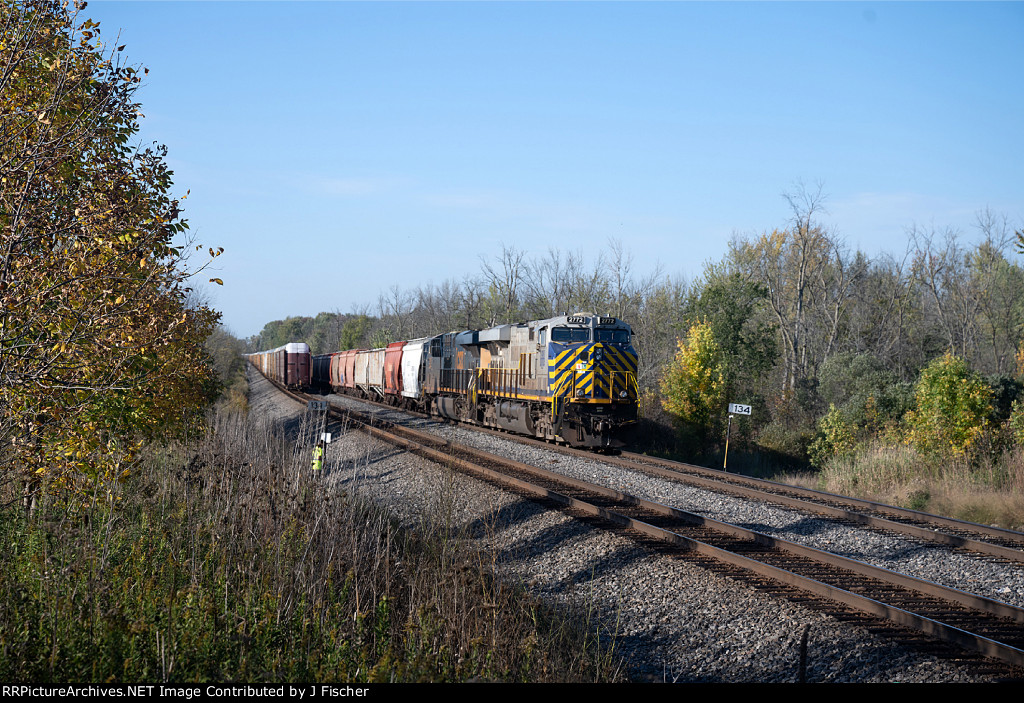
(226, 560)
(986, 490)
(982, 489)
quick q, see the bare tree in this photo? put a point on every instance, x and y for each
(999, 288)
(833, 296)
(809, 277)
(396, 308)
(506, 278)
(883, 315)
(546, 284)
(941, 269)
(472, 303)
(657, 325)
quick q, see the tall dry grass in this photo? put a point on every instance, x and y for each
(227, 559)
(989, 490)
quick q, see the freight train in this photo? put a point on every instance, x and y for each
(569, 379)
(288, 365)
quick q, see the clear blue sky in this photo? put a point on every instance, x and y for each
(335, 149)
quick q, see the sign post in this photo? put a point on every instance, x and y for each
(734, 409)
(728, 431)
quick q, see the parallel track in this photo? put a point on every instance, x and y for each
(982, 539)
(994, 542)
(882, 600)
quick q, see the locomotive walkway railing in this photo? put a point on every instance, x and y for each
(590, 385)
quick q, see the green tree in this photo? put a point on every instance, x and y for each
(953, 405)
(100, 349)
(867, 394)
(277, 333)
(835, 437)
(1016, 423)
(325, 332)
(735, 308)
(225, 352)
(353, 332)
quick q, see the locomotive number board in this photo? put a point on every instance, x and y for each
(581, 320)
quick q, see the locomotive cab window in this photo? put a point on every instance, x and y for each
(613, 336)
(570, 335)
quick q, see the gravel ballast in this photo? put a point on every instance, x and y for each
(671, 620)
(938, 563)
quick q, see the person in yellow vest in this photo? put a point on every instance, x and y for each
(318, 457)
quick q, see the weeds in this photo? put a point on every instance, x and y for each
(229, 560)
(990, 491)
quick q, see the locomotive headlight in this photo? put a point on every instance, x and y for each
(622, 394)
(579, 393)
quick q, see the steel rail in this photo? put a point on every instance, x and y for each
(954, 611)
(901, 520)
(966, 606)
(960, 534)
(1009, 544)
(896, 511)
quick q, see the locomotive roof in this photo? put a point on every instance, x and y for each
(502, 333)
(582, 319)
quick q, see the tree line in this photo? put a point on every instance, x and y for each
(902, 348)
(513, 287)
(790, 320)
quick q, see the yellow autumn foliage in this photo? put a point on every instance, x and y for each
(953, 408)
(100, 349)
(693, 386)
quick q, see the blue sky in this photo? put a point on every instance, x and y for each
(335, 149)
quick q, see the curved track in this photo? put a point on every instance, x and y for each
(886, 601)
(997, 543)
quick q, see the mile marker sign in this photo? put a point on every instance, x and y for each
(737, 409)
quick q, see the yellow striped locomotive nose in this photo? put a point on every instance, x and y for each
(594, 372)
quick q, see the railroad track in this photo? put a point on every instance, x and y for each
(997, 543)
(911, 610)
(994, 542)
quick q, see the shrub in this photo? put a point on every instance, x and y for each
(1016, 423)
(790, 444)
(835, 437)
(953, 405)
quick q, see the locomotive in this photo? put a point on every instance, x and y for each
(569, 379)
